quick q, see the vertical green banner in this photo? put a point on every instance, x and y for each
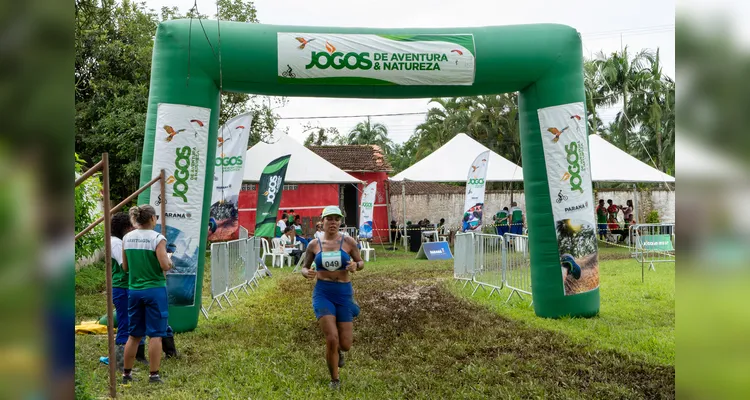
(269, 196)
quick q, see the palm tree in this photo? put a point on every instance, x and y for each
(622, 76)
(366, 132)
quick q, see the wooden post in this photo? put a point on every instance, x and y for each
(108, 274)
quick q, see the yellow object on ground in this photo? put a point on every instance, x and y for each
(91, 328)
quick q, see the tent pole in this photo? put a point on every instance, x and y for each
(635, 202)
(403, 203)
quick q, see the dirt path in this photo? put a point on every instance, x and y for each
(414, 325)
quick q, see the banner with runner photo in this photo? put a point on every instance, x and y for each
(566, 155)
(180, 149)
(231, 146)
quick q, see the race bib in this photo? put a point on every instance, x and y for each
(331, 260)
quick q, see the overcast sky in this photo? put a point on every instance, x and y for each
(604, 25)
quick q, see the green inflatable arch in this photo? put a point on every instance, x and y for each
(543, 62)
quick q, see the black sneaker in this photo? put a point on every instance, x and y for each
(127, 379)
(335, 385)
(341, 358)
(155, 379)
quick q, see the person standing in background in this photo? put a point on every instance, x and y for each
(601, 219)
(517, 219)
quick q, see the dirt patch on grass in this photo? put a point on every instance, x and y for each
(417, 309)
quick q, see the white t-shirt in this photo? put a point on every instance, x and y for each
(282, 225)
(285, 240)
(116, 246)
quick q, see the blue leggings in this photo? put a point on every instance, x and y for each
(334, 298)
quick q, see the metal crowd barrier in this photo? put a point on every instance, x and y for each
(488, 261)
(652, 243)
(234, 267)
(463, 260)
(493, 261)
(517, 265)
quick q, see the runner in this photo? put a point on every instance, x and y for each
(146, 262)
(336, 257)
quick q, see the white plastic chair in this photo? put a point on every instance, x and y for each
(278, 252)
(366, 249)
(266, 251)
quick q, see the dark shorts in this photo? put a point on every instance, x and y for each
(516, 229)
(602, 229)
(148, 311)
(502, 229)
(334, 298)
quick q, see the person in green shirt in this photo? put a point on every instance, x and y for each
(501, 221)
(601, 218)
(120, 227)
(517, 220)
(146, 261)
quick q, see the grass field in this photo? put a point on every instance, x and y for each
(420, 336)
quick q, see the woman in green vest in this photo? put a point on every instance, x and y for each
(120, 227)
(501, 221)
(516, 219)
(146, 261)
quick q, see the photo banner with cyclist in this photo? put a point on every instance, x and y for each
(179, 148)
(566, 155)
(474, 201)
(270, 187)
(231, 146)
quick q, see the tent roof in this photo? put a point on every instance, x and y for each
(304, 165)
(610, 164)
(451, 163)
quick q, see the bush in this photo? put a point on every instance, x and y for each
(87, 210)
(653, 217)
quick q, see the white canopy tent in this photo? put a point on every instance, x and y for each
(451, 163)
(610, 164)
(304, 165)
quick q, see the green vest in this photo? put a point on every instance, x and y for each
(144, 269)
(499, 218)
(119, 276)
(516, 215)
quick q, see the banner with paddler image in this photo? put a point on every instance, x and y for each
(180, 147)
(566, 155)
(366, 207)
(474, 200)
(231, 146)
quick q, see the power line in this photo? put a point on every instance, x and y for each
(357, 116)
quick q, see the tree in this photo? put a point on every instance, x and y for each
(320, 136)
(622, 76)
(367, 132)
(113, 48)
(87, 210)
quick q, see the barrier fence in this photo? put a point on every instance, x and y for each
(493, 261)
(235, 266)
(652, 243)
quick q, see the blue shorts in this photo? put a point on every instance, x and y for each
(516, 229)
(148, 311)
(602, 229)
(334, 298)
(502, 229)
